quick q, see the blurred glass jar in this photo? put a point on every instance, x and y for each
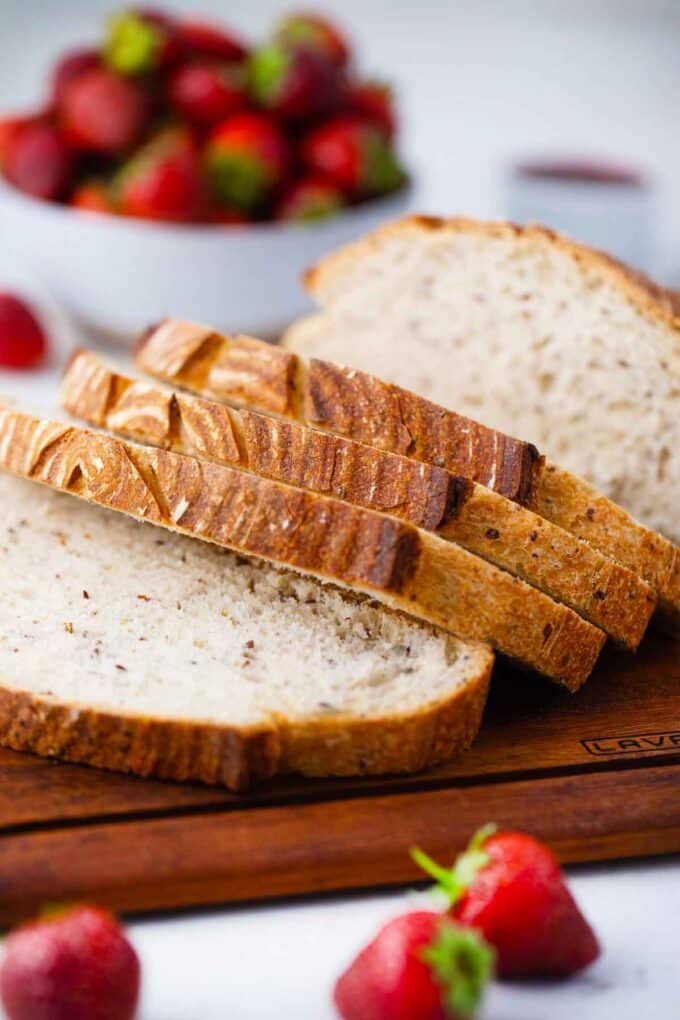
(599, 204)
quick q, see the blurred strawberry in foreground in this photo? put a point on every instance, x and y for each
(420, 966)
(246, 158)
(203, 39)
(294, 84)
(76, 966)
(92, 196)
(510, 887)
(206, 92)
(355, 155)
(309, 198)
(313, 33)
(39, 162)
(141, 41)
(22, 341)
(163, 180)
(102, 112)
(374, 102)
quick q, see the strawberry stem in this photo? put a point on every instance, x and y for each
(454, 882)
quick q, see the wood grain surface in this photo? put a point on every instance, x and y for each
(596, 774)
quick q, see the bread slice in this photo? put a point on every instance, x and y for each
(147, 652)
(525, 330)
(482, 521)
(348, 402)
(395, 563)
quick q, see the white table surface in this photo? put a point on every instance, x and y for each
(279, 961)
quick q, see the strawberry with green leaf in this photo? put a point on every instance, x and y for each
(314, 34)
(420, 966)
(309, 198)
(373, 102)
(246, 158)
(294, 84)
(164, 180)
(355, 155)
(511, 888)
(141, 41)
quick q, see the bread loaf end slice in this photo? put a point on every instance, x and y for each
(146, 652)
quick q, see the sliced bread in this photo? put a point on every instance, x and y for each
(525, 330)
(480, 520)
(348, 402)
(395, 563)
(132, 649)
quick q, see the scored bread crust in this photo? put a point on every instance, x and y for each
(252, 372)
(659, 303)
(356, 405)
(239, 757)
(482, 521)
(406, 569)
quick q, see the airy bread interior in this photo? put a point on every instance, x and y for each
(96, 609)
(525, 333)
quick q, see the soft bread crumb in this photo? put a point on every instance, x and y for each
(160, 625)
(517, 333)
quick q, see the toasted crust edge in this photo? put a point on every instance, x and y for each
(622, 610)
(653, 300)
(238, 758)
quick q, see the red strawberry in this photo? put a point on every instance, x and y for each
(39, 162)
(205, 40)
(140, 41)
(356, 156)
(420, 966)
(102, 112)
(227, 217)
(206, 92)
(93, 196)
(76, 966)
(163, 181)
(314, 33)
(310, 198)
(510, 887)
(11, 128)
(22, 341)
(295, 84)
(246, 158)
(373, 102)
(69, 67)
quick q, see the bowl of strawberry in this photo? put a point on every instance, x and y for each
(178, 169)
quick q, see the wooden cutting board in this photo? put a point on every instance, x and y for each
(597, 774)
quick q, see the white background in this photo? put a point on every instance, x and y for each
(482, 82)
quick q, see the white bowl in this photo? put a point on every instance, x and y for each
(118, 275)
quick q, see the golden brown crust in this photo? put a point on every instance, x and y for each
(239, 757)
(571, 503)
(381, 414)
(492, 602)
(167, 749)
(285, 451)
(658, 303)
(340, 400)
(407, 569)
(249, 370)
(605, 593)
